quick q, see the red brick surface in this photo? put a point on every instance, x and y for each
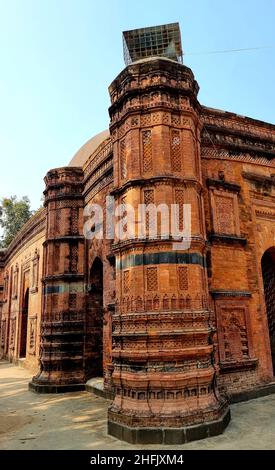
(169, 337)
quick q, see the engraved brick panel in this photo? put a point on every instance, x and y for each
(32, 335)
(126, 281)
(58, 221)
(74, 220)
(56, 257)
(72, 301)
(145, 120)
(176, 162)
(123, 162)
(55, 298)
(234, 337)
(15, 282)
(179, 200)
(149, 198)
(225, 214)
(35, 272)
(147, 151)
(74, 258)
(3, 333)
(124, 208)
(152, 279)
(183, 277)
(12, 332)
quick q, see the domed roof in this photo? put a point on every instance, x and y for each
(82, 155)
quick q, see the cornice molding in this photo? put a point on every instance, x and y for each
(214, 183)
(227, 239)
(154, 180)
(216, 293)
(261, 180)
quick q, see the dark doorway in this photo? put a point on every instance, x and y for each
(94, 322)
(268, 269)
(24, 325)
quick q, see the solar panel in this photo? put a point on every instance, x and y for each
(163, 41)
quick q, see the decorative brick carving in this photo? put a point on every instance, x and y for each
(182, 302)
(74, 220)
(58, 221)
(162, 319)
(72, 301)
(145, 120)
(152, 279)
(56, 257)
(6, 286)
(123, 162)
(229, 140)
(234, 332)
(35, 272)
(73, 258)
(15, 282)
(12, 332)
(62, 330)
(124, 212)
(101, 154)
(175, 119)
(179, 200)
(149, 198)
(54, 299)
(141, 337)
(225, 214)
(126, 281)
(147, 150)
(176, 158)
(3, 334)
(183, 277)
(32, 335)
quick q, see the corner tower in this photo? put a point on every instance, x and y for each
(63, 308)
(164, 371)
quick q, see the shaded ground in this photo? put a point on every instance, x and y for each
(78, 420)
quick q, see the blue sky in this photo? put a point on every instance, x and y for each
(57, 58)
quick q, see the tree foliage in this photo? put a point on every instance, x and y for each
(14, 213)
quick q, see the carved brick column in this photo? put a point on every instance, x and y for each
(62, 326)
(164, 373)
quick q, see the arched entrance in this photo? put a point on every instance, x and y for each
(268, 270)
(94, 322)
(24, 325)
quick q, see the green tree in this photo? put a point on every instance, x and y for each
(14, 213)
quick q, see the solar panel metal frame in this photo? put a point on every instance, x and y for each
(163, 41)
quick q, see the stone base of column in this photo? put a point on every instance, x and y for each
(56, 382)
(52, 388)
(167, 435)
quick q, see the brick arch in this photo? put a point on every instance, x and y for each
(96, 274)
(268, 273)
(265, 239)
(94, 321)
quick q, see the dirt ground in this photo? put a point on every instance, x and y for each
(78, 420)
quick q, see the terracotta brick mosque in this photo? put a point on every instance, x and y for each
(175, 335)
